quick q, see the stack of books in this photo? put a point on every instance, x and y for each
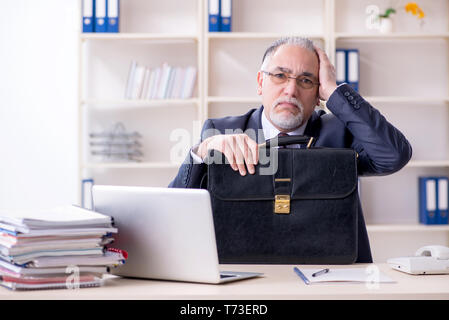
(164, 82)
(63, 247)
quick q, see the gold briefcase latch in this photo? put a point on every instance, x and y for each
(282, 204)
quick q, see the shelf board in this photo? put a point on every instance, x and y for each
(428, 163)
(130, 165)
(379, 36)
(406, 228)
(373, 99)
(156, 165)
(259, 35)
(141, 103)
(408, 99)
(235, 99)
(140, 36)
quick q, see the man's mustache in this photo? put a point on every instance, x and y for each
(292, 100)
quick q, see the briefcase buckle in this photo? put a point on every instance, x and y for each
(282, 204)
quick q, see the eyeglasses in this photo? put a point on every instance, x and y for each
(303, 82)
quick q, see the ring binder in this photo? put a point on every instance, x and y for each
(113, 16)
(88, 15)
(100, 16)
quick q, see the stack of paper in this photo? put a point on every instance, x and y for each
(369, 275)
(58, 248)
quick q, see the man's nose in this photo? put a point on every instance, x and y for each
(290, 87)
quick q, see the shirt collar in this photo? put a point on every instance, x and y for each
(270, 131)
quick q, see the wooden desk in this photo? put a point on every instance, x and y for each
(278, 282)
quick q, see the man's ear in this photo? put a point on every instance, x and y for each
(259, 82)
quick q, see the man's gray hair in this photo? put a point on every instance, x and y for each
(295, 41)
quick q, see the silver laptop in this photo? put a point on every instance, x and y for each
(168, 233)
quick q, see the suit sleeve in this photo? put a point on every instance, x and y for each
(382, 148)
(190, 173)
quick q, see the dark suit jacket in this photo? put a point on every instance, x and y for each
(354, 123)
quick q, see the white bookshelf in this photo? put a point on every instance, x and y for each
(131, 165)
(142, 103)
(151, 33)
(260, 35)
(404, 74)
(406, 228)
(392, 36)
(140, 36)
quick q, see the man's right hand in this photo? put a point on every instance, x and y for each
(239, 149)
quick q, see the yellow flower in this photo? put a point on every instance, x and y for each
(414, 9)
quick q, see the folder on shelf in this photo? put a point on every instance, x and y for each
(352, 62)
(178, 85)
(86, 194)
(189, 82)
(214, 15)
(427, 200)
(100, 16)
(146, 83)
(113, 13)
(139, 77)
(171, 80)
(130, 81)
(165, 77)
(226, 15)
(155, 80)
(340, 66)
(88, 15)
(442, 196)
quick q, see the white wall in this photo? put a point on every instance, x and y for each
(38, 103)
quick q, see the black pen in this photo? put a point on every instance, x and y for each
(318, 273)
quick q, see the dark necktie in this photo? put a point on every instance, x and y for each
(282, 134)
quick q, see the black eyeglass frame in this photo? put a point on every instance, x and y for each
(298, 79)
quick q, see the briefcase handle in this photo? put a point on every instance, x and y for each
(288, 140)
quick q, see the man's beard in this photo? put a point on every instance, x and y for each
(289, 121)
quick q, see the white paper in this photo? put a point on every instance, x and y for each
(69, 216)
(365, 275)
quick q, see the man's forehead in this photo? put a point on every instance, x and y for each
(294, 59)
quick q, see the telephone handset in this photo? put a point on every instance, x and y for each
(427, 260)
(437, 252)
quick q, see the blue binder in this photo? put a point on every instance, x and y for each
(214, 15)
(226, 15)
(340, 66)
(353, 73)
(113, 15)
(88, 15)
(442, 200)
(100, 16)
(428, 200)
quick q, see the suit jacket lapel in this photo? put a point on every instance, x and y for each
(314, 125)
(255, 123)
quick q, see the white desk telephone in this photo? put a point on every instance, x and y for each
(427, 260)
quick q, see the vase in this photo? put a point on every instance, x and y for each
(386, 25)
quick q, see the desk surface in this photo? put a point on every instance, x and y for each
(278, 282)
